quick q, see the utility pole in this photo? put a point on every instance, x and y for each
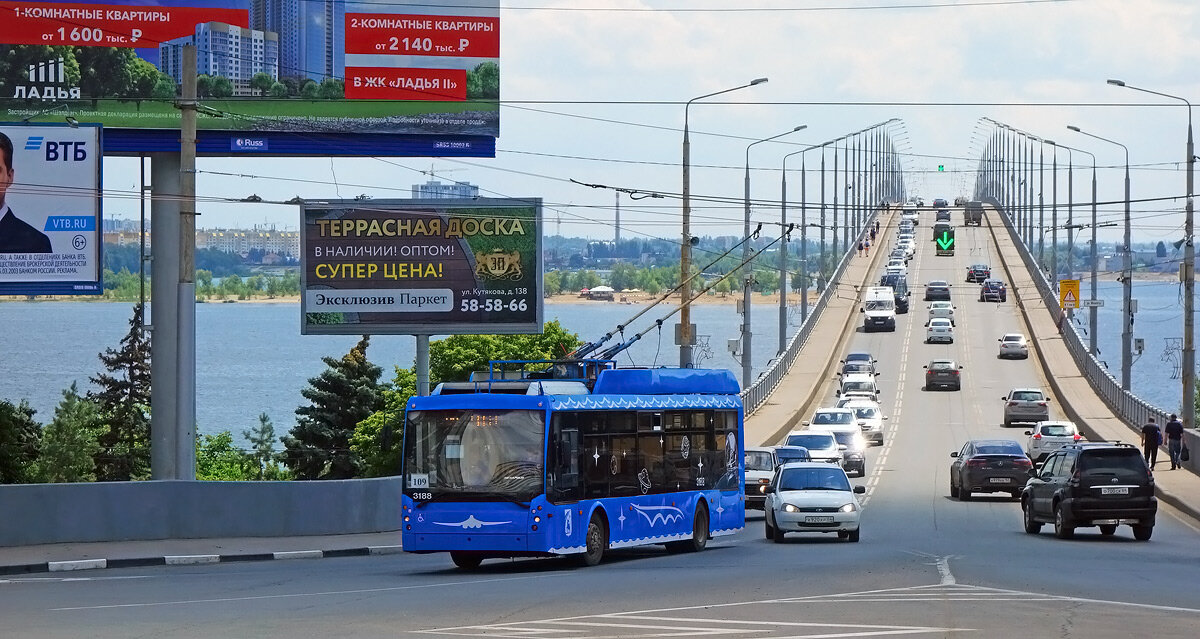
(185, 461)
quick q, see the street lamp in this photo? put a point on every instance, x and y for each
(803, 248)
(748, 277)
(685, 248)
(1127, 278)
(1189, 272)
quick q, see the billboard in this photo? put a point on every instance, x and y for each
(421, 267)
(50, 210)
(266, 67)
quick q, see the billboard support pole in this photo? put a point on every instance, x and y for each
(164, 291)
(422, 365)
(186, 359)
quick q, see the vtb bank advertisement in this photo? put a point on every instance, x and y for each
(309, 66)
(50, 210)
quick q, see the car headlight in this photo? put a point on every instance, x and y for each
(788, 508)
(849, 508)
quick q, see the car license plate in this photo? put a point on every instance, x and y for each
(1000, 480)
(819, 519)
(1114, 490)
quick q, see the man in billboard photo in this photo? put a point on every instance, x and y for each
(15, 235)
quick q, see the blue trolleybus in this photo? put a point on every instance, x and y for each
(573, 459)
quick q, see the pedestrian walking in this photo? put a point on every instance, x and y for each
(860, 248)
(867, 248)
(1174, 433)
(876, 226)
(872, 235)
(1151, 439)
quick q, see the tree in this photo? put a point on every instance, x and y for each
(454, 359)
(377, 438)
(106, 71)
(222, 87)
(123, 399)
(164, 88)
(204, 84)
(310, 90)
(263, 82)
(346, 393)
(262, 452)
(332, 89)
(1160, 250)
(218, 460)
(552, 283)
(623, 276)
(143, 77)
(278, 90)
(70, 441)
(483, 82)
(19, 439)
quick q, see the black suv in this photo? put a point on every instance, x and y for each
(1091, 484)
(899, 285)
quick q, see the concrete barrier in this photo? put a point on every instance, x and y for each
(123, 511)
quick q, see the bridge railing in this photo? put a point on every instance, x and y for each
(1123, 403)
(758, 392)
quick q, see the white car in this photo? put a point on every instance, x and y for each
(1047, 437)
(943, 310)
(821, 445)
(830, 417)
(870, 418)
(861, 383)
(939, 330)
(909, 248)
(1013, 345)
(812, 497)
(760, 467)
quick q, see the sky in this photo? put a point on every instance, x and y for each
(594, 91)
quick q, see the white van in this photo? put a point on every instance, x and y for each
(879, 308)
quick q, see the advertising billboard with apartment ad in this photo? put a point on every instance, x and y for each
(332, 70)
(50, 210)
(421, 267)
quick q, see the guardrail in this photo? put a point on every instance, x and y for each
(1124, 404)
(756, 395)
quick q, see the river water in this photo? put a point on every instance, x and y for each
(252, 359)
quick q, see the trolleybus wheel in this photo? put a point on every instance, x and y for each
(596, 540)
(466, 560)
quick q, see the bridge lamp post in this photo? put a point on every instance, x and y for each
(1189, 271)
(803, 248)
(1070, 255)
(685, 247)
(1127, 276)
(748, 277)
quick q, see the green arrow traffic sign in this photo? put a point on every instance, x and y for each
(946, 240)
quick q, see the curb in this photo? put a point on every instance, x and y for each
(192, 560)
(817, 390)
(1173, 500)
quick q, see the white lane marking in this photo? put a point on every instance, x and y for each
(55, 580)
(326, 593)
(943, 567)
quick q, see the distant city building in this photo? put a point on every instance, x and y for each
(309, 33)
(439, 189)
(243, 241)
(225, 50)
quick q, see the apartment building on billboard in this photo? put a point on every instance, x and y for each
(225, 50)
(311, 35)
